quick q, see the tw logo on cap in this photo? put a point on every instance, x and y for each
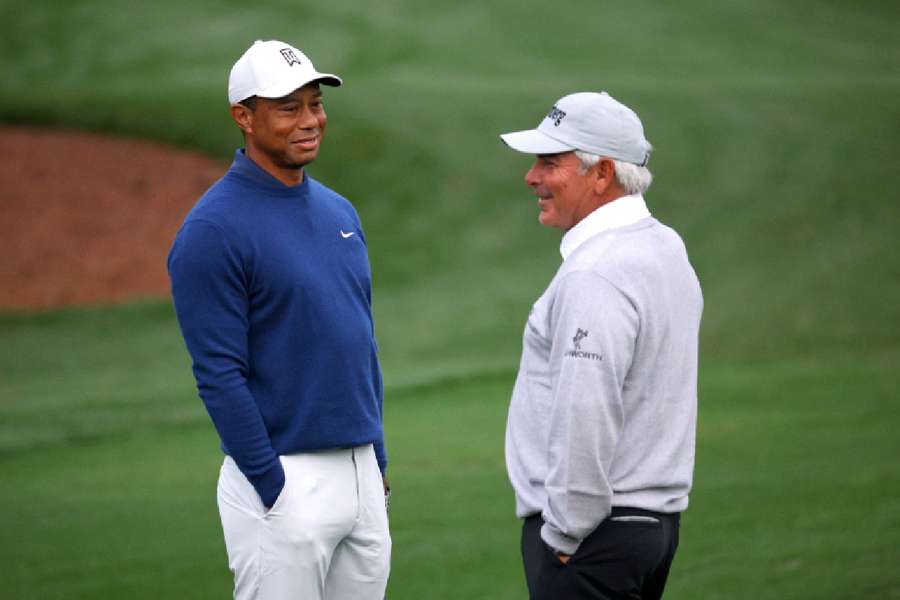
(556, 115)
(289, 56)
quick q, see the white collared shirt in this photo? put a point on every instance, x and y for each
(618, 213)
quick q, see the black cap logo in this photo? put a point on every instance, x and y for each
(556, 115)
(289, 56)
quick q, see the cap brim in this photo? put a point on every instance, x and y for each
(283, 89)
(329, 79)
(533, 141)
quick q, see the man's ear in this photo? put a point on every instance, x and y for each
(243, 116)
(606, 175)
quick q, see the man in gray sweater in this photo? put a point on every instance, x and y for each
(601, 427)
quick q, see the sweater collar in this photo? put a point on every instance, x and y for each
(244, 167)
(618, 213)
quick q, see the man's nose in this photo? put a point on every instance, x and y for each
(531, 178)
(307, 120)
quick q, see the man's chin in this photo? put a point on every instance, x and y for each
(296, 164)
(546, 219)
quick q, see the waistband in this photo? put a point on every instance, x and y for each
(627, 511)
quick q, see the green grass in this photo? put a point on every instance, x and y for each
(788, 503)
(776, 133)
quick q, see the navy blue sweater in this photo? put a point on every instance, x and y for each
(272, 289)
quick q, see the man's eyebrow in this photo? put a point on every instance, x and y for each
(284, 100)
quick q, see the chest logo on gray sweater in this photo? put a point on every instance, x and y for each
(577, 352)
(579, 335)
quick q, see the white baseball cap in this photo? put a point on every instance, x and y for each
(273, 69)
(586, 121)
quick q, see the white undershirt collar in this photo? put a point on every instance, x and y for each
(618, 213)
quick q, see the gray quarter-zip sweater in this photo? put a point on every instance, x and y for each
(604, 408)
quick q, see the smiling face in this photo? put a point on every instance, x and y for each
(282, 135)
(565, 194)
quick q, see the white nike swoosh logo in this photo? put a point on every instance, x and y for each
(346, 235)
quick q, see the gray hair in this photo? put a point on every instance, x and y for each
(634, 179)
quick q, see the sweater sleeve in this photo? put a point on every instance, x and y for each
(210, 295)
(594, 331)
(380, 452)
(378, 382)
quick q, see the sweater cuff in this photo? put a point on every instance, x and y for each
(269, 484)
(559, 541)
(381, 456)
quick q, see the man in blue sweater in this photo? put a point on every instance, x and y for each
(272, 288)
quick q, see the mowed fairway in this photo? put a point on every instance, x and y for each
(776, 127)
(796, 490)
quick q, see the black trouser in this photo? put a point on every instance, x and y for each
(627, 556)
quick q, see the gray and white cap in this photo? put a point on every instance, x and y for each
(590, 122)
(273, 69)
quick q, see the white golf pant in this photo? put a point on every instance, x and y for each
(326, 537)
